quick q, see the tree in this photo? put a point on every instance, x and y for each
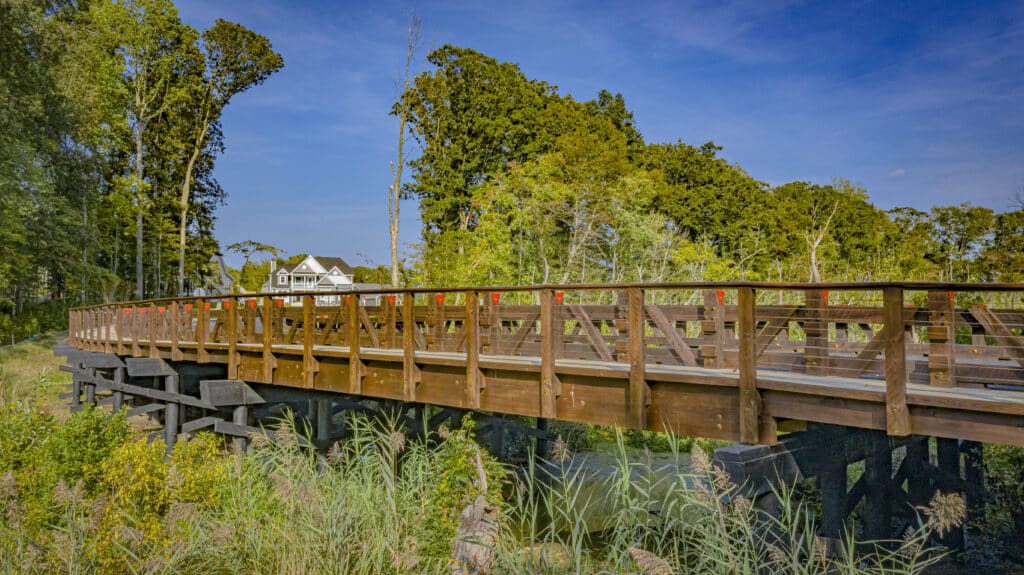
(156, 49)
(471, 116)
(236, 59)
(412, 41)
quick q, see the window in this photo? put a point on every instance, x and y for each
(282, 280)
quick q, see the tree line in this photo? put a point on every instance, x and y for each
(518, 184)
(110, 127)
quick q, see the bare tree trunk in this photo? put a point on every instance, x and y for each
(139, 281)
(395, 189)
(186, 192)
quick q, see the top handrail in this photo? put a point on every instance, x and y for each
(839, 286)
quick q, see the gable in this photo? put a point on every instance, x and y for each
(310, 265)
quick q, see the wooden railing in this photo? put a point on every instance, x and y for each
(940, 335)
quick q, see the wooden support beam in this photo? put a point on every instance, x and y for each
(240, 417)
(410, 371)
(878, 476)
(309, 364)
(355, 364)
(549, 386)
(171, 414)
(229, 306)
(832, 485)
(474, 378)
(919, 471)
(897, 416)
(941, 357)
(750, 399)
(638, 392)
(949, 481)
(1013, 345)
(118, 394)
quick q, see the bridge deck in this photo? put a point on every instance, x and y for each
(715, 369)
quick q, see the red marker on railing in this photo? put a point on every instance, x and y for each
(161, 309)
(142, 310)
(127, 311)
(559, 297)
(721, 297)
(206, 306)
(348, 299)
(279, 302)
(439, 298)
(952, 299)
(392, 299)
(495, 298)
(188, 307)
(251, 303)
(824, 297)
(226, 304)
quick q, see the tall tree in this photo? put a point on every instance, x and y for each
(156, 49)
(412, 42)
(236, 59)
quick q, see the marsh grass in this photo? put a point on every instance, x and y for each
(381, 502)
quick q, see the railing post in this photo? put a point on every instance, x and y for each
(549, 385)
(474, 379)
(816, 330)
(712, 326)
(136, 322)
(439, 323)
(309, 365)
(494, 337)
(410, 372)
(750, 400)
(355, 365)
(941, 356)
(153, 351)
(269, 361)
(897, 417)
(176, 354)
(202, 330)
(639, 393)
(120, 331)
(107, 320)
(230, 307)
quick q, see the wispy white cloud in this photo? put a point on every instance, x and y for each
(897, 173)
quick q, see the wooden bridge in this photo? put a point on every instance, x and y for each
(736, 361)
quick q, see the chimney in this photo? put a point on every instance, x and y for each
(273, 265)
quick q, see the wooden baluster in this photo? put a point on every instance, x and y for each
(494, 336)
(750, 399)
(622, 327)
(309, 364)
(639, 393)
(269, 361)
(410, 371)
(230, 307)
(202, 331)
(355, 364)
(941, 341)
(549, 384)
(474, 378)
(439, 323)
(897, 417)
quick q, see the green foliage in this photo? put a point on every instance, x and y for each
(458, 485)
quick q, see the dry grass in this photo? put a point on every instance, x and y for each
(30, 372)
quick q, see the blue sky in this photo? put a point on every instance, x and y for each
(922, 103)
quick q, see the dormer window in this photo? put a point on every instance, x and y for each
(282, 280)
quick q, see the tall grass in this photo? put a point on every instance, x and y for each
(382, 503)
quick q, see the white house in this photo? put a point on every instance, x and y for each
(314, 273)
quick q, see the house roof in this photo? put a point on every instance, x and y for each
(329, 262)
